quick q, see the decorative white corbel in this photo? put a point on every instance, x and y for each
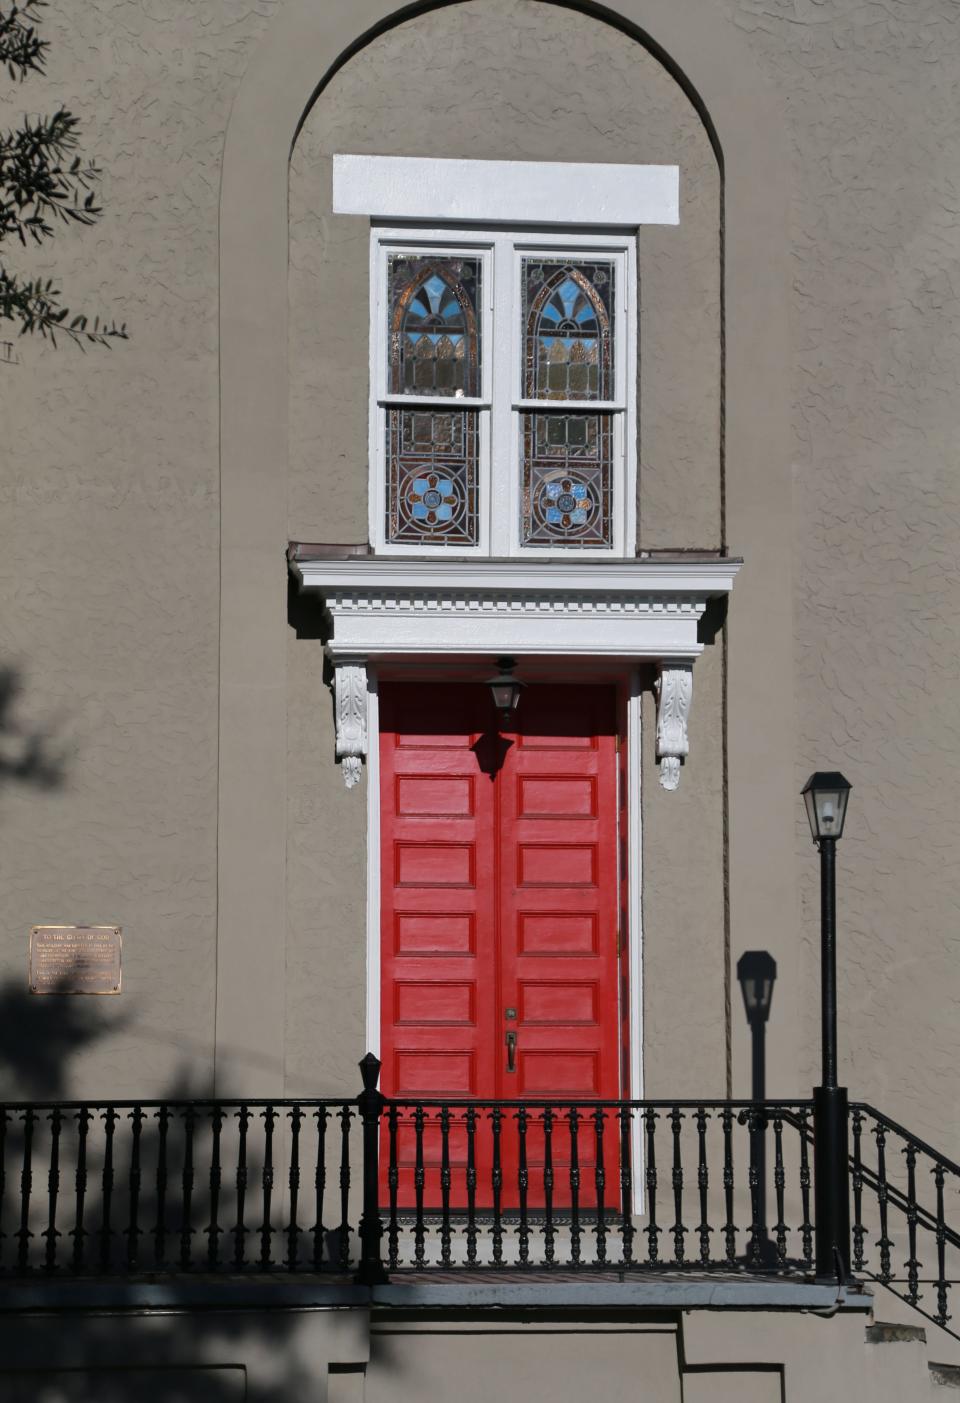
(350, 704)
(674, 688)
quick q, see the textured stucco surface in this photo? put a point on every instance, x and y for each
(869, 93)
(110, 521)
(504, 80)
(108, 561)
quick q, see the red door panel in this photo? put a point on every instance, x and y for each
(499, 880)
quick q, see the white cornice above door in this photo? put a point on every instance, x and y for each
(634, 610)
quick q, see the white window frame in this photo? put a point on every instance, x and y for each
(500, 403)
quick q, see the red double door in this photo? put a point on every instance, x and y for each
(501, 888)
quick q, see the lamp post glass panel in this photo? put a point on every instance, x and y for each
(825, 795)
(505, 690)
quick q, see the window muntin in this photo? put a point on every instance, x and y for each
(530, 339)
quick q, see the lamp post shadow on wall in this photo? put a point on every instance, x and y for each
(756, 974)
(825, 795)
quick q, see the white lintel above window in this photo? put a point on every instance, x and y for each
(510, 192)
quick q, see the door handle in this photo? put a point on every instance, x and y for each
(511, 1040)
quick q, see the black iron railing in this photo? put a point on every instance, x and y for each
(905, 1194)
(378, 1185)
(119, 1188)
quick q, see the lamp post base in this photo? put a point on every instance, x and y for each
(831, 1183)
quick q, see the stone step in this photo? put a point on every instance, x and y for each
(945, 1375)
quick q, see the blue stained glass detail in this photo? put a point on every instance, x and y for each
(434, 325)
(568, 329)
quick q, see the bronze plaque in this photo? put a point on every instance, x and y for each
(75, 959)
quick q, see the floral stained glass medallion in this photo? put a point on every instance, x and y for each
(567, 319)
(431, 477)
(434, 330)
(566, 490)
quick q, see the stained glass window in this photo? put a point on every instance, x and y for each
(568, 354)
(432, 477)
(566, 489)
(567, 321)
(434, 345)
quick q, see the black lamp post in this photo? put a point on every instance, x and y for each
(756, 973)
(825, 795)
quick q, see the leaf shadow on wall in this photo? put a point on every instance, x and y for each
(30, 753)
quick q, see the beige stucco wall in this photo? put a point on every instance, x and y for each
(110, 521)
(868, 96)
(108, 557)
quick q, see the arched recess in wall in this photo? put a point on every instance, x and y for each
(708, 57)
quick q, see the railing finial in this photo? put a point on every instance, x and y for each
(370, 1071)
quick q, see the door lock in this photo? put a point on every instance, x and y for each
(511, 1040)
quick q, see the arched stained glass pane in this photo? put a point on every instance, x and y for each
(434, 344)
(567, 320)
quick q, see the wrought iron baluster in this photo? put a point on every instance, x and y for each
(216, 1178)
(497, 1185)
(240, 1227)
(599, 1116)
(779, 1184)
(549, 1232)
(729, 1226)
(419, 1179)
(268, 1116)
(523, 1229)
(703, 1184)
(137, 1117)
(319, 1186)
(445, 1185)
(755, 1126)
(393, 1185)
(573, 1118)
(160, 1226)
(913, 1266)
(53, 1189)
(626, 1186)
(806, 1227)
(650, 1176)
(3, 1175)
(26, 1185)
(346, 1115)
(293, 1227)
(678, 1230)
(859, 1232)
(941, 1316)
(78, 1231)
(106, 1232)
(471, 1185)
(186, 1182)
(884, 1242)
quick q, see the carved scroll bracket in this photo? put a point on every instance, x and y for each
(674, 689)
(350, 704)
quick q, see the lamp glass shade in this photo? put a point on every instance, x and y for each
(825, 795)
(505, 689)
(506, 694)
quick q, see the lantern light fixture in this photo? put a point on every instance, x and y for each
(505, 690)
(825, 795)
